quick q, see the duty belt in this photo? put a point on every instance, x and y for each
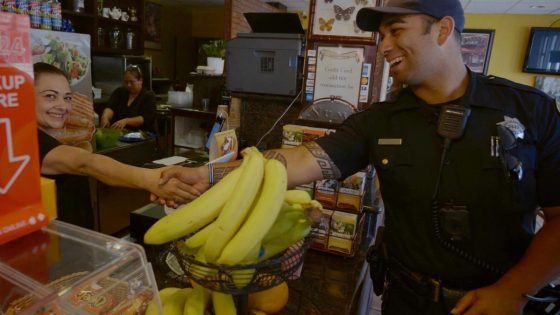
(435, 287)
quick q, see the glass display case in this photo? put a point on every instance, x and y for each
(64, 269)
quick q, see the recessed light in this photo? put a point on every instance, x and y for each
(537, 7)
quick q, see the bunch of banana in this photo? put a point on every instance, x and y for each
(247, 217)
(192, 301)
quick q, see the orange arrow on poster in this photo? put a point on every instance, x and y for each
(21, 210)
(10, 165)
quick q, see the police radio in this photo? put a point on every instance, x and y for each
(452, 121)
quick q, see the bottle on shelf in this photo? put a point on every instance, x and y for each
(189, 89)
(115, 37)
(56, 16)
(22, 6)
(100, 37)
(46, 22)
(79, 5)
(35, 13)
(130, 39)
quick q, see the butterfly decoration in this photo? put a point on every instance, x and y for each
(357, 29)
(340, 13)
(358, 2)
(326, 25)
(328, 1)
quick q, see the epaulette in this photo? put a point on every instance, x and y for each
(494, 80)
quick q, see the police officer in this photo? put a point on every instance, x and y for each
(464, 162)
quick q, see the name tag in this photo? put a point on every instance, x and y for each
(389, 141)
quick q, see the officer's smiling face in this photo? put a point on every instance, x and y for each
(409, 46)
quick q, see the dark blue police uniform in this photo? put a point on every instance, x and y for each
(400, 139)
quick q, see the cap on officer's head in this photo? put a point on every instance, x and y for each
(368, 19)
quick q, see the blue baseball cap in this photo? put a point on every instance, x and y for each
(369, 18)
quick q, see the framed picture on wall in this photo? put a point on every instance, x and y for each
(152, 25)
(476, 46)
(336, 21)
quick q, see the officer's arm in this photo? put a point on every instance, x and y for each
(539, 266)
(305, 163)
(541, 262)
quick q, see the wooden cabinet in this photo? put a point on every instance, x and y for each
(91, 21)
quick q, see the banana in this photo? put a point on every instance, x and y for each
(242, 277)
(285, 221)
(176, 302)
(199, 238)
(289, 207)
(196, 303)
(164, 295)
(277, 245)
(236, 209)
(223, 304)
(262, 217)
(297, 196)
(195, 214)
(201, 272)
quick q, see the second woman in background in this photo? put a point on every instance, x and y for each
(131, 106)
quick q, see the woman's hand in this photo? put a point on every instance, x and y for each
(173, 191)
(104, 123)
(120, 124)
(196, 178)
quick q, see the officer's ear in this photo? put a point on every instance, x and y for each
(446, 27)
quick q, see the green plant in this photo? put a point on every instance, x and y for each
(215, 48)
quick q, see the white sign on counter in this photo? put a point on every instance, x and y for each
(338, 73)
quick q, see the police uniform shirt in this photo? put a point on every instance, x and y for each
(400, 139)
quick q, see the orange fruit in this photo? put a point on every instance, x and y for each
(270, 301)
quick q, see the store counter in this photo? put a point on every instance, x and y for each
(112, 205)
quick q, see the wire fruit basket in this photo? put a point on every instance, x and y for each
(237, 279)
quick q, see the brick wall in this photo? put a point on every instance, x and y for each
(238, 7)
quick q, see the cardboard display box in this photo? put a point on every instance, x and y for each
(326, 192)
(351, 192)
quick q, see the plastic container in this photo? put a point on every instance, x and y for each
(178, 99)
(65, 269)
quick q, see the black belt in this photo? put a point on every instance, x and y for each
(434, 287)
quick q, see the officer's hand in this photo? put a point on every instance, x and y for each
(491, 300)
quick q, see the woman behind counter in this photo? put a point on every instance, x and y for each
(64, 163)
(130, 106)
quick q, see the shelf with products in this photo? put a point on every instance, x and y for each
(99, 18)
(110, 21)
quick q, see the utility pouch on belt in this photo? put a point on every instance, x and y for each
(377, 259)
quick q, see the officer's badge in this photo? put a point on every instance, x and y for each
(513, 125)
